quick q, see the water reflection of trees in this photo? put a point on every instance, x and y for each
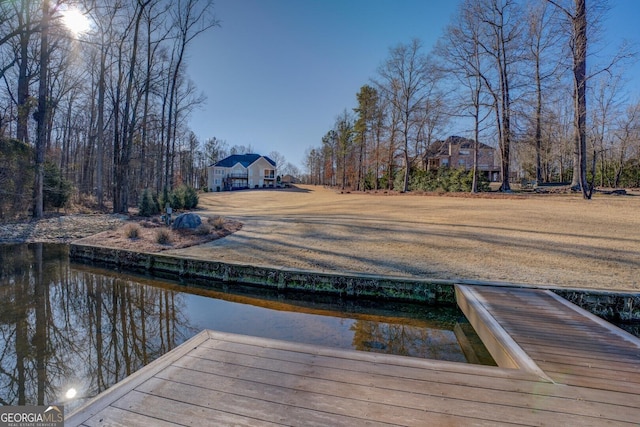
(62, 328)
(406, 340)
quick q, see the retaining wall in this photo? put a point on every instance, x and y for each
(618, 306)
(615, 306)
(347, 285)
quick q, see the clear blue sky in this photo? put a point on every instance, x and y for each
(276, 73)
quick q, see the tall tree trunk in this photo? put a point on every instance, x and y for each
(121, 200)
(538, 131)
(117, 136)
(580, 80)
(100, 142)
(506, 112)
(170, 140)
(405, 149)
(41, 115)
(476, 137)
(145, 110)
(24, 107)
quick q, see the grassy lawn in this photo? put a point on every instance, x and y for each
(559, 240)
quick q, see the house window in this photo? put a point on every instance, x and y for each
(461, 162)
(445, 162)
(464, 152)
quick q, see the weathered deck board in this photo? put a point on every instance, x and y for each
(570, 345)
(225, 379)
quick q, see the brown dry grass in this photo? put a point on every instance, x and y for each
(146, 235)
(558, 240)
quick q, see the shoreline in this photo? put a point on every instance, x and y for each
(612, 305)
(558, 241)
(59, 228)
(67, 229)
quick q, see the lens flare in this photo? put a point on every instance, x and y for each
(71, 393)
(75, 21)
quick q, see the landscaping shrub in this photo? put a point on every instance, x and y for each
(176, 200)
(369, 181)
(202, 230)
(56, 188)
(183, 197)
(444, 179)
(422, 180)
(148, 205)
(190, 197)
(132, 231)
(217, 222)
(163, 237)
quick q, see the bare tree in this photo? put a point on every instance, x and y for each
(500, 39)
(153, 20)
(105, 21)
(42, 113)
(606, 107)
(241, 149)
(191, 19)
(123, 139)
(582, 21)
(404, 77)
(479, 50)
(579, 49)
(24, 105)
(543, 39)
(215, 149)
(392, 129)
(104, 119)
(279, 158)
(628, 136)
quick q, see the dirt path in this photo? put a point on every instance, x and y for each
(547, 240)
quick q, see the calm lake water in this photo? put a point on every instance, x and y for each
(67, 325)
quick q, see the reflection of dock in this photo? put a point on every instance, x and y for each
(579, 373)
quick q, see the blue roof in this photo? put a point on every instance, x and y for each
(244, 159)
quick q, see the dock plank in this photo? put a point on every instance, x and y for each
(184, 409)
(440, 376)
(561, 365)
(122, 418)
(226, 379)
(383, 390)
(571, 346)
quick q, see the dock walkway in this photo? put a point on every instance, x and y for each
(561, 370)
(570, 345)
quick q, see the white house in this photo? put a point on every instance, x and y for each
(242, 171)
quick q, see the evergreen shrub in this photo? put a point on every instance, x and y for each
(148, 205)
(56, 189)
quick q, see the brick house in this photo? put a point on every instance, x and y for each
(457, 152)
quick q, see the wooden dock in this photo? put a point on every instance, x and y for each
(559, 366)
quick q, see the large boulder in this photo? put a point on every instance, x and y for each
(187, 221)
